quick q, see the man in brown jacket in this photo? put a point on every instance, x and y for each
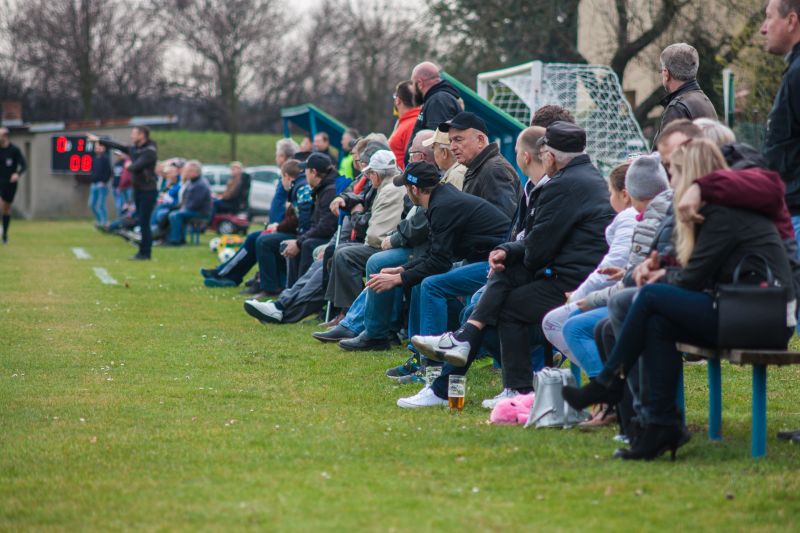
(685, 98)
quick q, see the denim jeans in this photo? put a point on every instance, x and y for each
(660, 316)
(177, 224)
(271, 264)
(381, 311)
(796, 225)
(579, 335)
(98, 193)
(429, 299)
(120, 199)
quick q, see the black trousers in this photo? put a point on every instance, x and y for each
(513, 302)
(145, 203)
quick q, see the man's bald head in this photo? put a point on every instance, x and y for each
(418, 151)
(4, 137)
(425, 75)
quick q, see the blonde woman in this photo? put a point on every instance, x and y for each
(676, 303)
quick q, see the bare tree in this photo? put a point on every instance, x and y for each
(79, 45)
(225, 36)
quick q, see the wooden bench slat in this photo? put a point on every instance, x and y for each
(743, 357)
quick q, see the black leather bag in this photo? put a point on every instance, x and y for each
(752, 316)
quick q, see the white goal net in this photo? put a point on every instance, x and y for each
(592, 93)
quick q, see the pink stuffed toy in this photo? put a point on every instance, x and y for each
(513, 411)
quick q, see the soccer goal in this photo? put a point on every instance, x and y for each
(592, 93)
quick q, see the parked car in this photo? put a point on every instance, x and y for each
(264, 179)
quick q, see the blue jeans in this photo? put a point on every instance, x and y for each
(579, 335)
(381, 311)
(796, 225)
(121, 198)
(98, 193)
(177, 224)
(429, 299)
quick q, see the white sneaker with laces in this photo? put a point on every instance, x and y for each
(424, 398)
(264, 311)
(427, 345)
(454, 351)
(492, 402)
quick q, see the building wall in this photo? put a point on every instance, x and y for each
(44, 195)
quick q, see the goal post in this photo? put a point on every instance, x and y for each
(592, 93)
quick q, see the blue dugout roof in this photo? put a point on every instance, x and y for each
(312, 119)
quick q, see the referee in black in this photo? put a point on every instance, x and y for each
(145, 183)
(12, 167)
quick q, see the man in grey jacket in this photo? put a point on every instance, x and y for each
(196, 203)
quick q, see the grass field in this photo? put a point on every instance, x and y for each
(158, 404)
(214, 147)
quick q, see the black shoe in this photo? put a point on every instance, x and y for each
(251, 282)
(654, 442)
(364, 344)
(208, 272)
(335, 334)
(593, 393)
(139, 257)
(250, 289)
(789, 435)
(173, 244)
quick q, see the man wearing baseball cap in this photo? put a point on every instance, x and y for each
(488, 174)
(564, 241)
(321, 177)
(382, 209)
(463, 229)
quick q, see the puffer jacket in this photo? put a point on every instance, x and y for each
(644, 235)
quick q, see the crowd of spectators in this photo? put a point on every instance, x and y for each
(431, 240)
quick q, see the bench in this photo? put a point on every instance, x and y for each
(758, 359)
(196, 227)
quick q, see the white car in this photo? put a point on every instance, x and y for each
(264, 179)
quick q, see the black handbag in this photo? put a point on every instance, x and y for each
(752, 316)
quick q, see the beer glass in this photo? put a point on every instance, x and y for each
(456, 390)
(431, 373)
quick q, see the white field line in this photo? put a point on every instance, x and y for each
(80, 253)
(104, 276)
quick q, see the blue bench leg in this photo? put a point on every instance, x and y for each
(714, 400)
(576, 372)
(680, 397)
(759, 430)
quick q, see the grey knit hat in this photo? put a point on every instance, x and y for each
(646, 178)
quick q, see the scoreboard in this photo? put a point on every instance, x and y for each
(71, 155)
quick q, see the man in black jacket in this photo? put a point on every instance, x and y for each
(440, 100)
(488, 174)
(143, 156)
(782, 144)
(12, 166)
(564, 242)
(321, 176)
(685, 98)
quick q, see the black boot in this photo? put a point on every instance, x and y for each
(593, 393)
(654, 442)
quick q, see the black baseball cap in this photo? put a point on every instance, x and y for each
(565, 136)
(420, 173)
(317, 161)
(465, 121)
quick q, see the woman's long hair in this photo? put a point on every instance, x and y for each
(689, 162)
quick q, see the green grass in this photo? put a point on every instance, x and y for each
(214, 146)
(158, 404)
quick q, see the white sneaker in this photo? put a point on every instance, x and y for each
(263, 311)
(424, 398)
(427, 345)
(454, 351)
(492, 402)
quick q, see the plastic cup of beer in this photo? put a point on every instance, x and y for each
(431, 373)
(456, 390)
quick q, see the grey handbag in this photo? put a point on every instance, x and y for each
(549, 408)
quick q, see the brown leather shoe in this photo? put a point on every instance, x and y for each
(601, 416)
(333, 322)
